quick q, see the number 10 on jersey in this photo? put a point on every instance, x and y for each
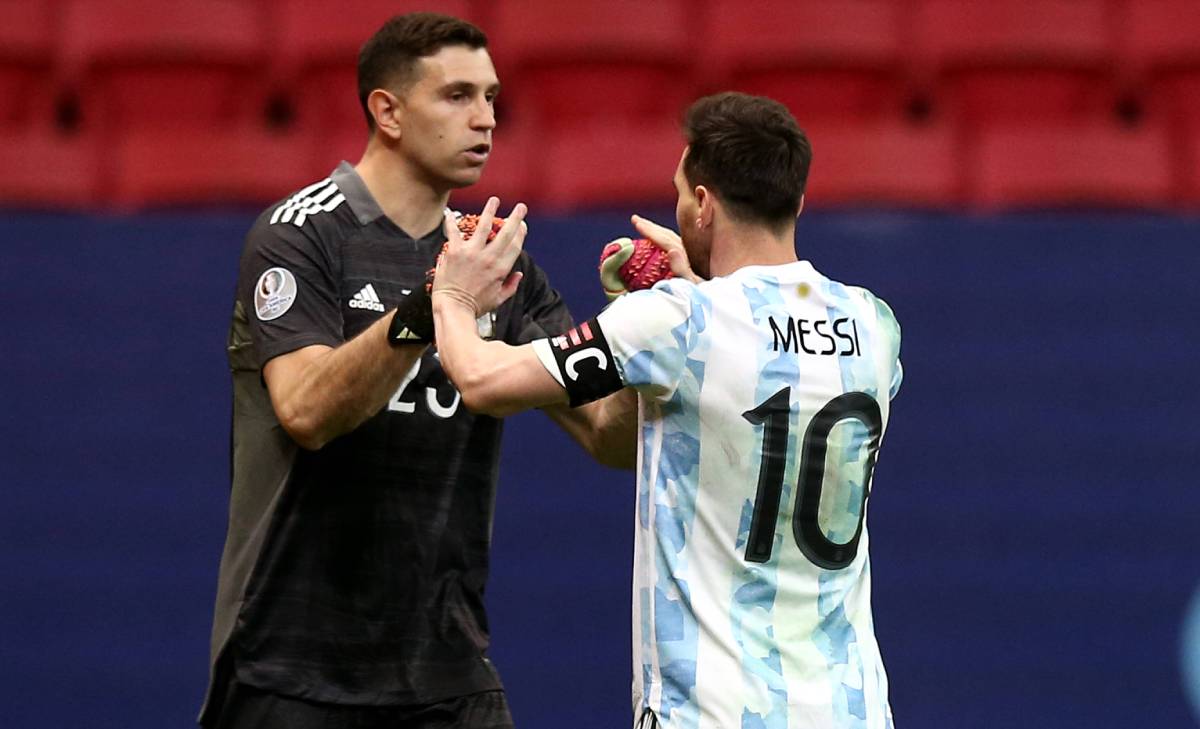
(774, 415)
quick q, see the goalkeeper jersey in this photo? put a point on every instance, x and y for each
(355, 574)
(765, 395)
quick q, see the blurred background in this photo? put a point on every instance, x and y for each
(1019, 179)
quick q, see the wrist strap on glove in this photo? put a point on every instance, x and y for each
(413, 321)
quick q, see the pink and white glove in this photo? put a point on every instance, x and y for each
(628, 264)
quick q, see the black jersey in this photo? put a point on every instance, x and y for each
(355, 573)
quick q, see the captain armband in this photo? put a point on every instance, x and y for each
(582, 363)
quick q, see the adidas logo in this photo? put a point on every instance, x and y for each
(367, 299)
(405, 334)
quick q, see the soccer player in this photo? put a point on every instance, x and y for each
(351, 585)
(764, 395)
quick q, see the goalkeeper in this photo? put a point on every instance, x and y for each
(763, 393)
(351, 584)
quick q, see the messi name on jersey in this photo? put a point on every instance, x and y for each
(816, 336)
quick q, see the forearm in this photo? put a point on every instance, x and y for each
(606, 429)
(333, 391)
(616, 438)
(493, 377)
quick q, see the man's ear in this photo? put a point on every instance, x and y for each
(801, 208)
(386, 110)
(706, 203)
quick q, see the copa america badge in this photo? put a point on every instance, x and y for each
(274, 293)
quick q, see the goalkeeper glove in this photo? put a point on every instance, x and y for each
(413, 320)
(631, 265)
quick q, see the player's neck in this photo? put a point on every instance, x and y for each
(409, 200)
(739, 246)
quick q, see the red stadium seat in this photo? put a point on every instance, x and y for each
(1176, 96)
(43, 168)
(1187, 157)
(329, 148)
(315, 45)
(26, 61)
(1069, 165)
(1159, 46)
(164, 64)
(890, 163)
(609, 163)
(1159, 34)
(823, 60)
(574, 61)
(219, 166)
(1016, 61)
(308, 33)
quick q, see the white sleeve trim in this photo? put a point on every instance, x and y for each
(541, 347)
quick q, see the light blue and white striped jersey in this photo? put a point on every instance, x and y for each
(764, 396)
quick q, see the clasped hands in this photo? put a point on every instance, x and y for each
(474, 272)
(478, 275)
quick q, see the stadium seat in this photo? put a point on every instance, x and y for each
(888, 163)
(44, 168)
(609, 162)
(1006, 61)
(573, 61)
(1159, 34)
(27, 88)
(314, 47)
(163, 64)
(1159, 47)
(157, 168)
(328, 149)
(823, 60)
(1089, 165)
(1187, 156)
(1177, 97)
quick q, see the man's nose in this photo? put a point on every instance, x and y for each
(484, 116)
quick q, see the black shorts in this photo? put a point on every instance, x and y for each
(246, 707)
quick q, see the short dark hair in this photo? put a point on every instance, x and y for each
(389, 58)
(751, 153)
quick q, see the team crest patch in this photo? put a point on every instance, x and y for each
(274, 293)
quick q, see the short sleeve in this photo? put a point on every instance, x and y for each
(288, 287)
(648, 334)
(891, 329)
(897, 378)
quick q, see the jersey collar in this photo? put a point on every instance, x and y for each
(365, 208)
